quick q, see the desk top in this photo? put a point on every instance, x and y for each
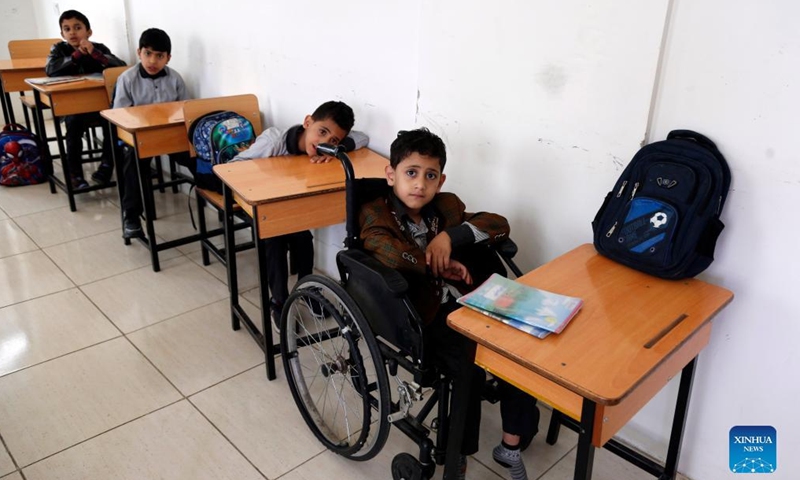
(144, 117)
(76, 86)
(629, 324)
(267, 180)
(23, 64)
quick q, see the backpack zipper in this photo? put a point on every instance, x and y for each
(635, 187)
(611, 231)
(622, 188)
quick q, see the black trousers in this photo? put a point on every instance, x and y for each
(300, 247)
(132, 194)
(518, 411)
(454, 355)
(76, 126)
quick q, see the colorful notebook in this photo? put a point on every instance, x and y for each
(534, 311)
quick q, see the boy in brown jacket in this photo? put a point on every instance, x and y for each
(429, 238)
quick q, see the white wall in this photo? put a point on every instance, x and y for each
(731, 71)
(19, 23)
(542, 104)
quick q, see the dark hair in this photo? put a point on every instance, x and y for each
(420, 141)
(69, 14)
(155, 39)
(339, 112)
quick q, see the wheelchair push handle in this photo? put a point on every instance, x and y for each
(338, 151)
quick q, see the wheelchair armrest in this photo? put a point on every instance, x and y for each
(392, 280)
(507, 248)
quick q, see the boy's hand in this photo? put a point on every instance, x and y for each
(437, 255)
(86, 46)
(457, 271)
(321, 159)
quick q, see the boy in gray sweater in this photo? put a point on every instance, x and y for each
(330, 123)
(149, 81)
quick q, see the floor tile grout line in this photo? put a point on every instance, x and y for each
(38, 296)
(19, 227)
(303, 463)
(214, 426)
(172, 317)
(561, 459)
(13, 460)
(247, 370)
(27, 367)
(103, 432)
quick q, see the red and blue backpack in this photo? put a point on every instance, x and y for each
(23, 158)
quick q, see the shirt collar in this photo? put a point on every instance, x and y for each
(428, 212)
(143, 73)
(292, 137)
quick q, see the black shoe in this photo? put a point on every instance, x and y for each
(319, 312)
(78, 183)
(132, 227)
(275, 311)
(103, 174)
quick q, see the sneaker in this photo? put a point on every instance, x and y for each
(132, 227)
(103, 174)
(275, 311)
(78, 182)
(512, 460)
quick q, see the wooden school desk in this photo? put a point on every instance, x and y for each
(632, 335)
(12, 75)
(284, 195)
(151, 130)
(71, 98)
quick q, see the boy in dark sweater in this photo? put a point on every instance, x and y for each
(76, 56)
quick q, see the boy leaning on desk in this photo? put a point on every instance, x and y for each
(76, 56)
(426, 236)
(330, 123)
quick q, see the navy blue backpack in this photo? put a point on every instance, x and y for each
(662, 217)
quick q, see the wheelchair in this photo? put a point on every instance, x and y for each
(346, 345)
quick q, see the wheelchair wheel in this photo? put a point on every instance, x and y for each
(335, 369)
(406, 467)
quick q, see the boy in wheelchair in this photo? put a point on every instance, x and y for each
(429, 238)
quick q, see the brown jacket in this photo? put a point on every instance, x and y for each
(385, 235)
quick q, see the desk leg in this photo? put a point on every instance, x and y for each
(146, 190)
(38, 119)
(459, 400)
(116, 153)
(8, 108)
(585, 459)
(230, 255)
(679, 421)
(266, 324)
(62, 154)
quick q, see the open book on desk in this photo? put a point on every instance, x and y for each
(66, 79)
(534, 311)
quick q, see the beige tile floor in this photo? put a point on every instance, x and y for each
(111, 371)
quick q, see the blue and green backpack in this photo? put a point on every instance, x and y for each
(217, 137)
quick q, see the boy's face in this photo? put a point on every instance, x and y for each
(320, 131)
(153, 61)
(73, 31)
(416, 180)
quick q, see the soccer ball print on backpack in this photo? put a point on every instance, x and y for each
(217, 137)
(22, 158)
(662, 217)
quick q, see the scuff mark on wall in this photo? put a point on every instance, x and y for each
(552, 78)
